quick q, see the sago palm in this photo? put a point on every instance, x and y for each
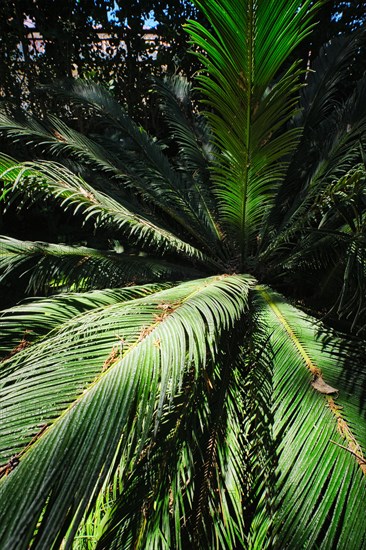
(189, 385)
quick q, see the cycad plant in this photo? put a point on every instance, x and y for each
(200, 381)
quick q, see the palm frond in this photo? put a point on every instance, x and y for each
(23, 324)
(59, 140)
(146, 169)
(179, 477)
(45, 179)
(328, 241)
(323, 83)
(243, 53)
(252, 398)
(195, 470)
(192, 135)
(319, 428)
(331, 150)
(188, 129)
(208, 413)
(53, 266)
(90, 416)
(211, 447)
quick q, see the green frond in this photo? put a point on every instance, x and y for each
(256, 453)
(212, 447)
(319, 429)
(322, 92)
(91, 94)
(144, 168)
(244, 52)
(188, 129)
(192, 135)
(55, 137)
(51, 267)
(108, 376)
(187, 489)
(331, 150)
(328, 242)
(208, 413)
(36, 318)
(46, 179)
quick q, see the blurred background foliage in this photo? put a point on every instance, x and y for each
(121, 44)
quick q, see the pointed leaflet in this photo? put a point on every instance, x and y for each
(54, 380)
(320, 429)
(47, 179)
(53, 266)
(192, 135)
(329, 150)
(248, 45)
(142, 168)
(126, 397)
(331, 246)
(324, 81)
(35, 318)
(212, 447)
(187, 488)
(160, 502)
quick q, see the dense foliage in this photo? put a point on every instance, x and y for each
(196, 377)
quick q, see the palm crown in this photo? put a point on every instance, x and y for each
(172, 396)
